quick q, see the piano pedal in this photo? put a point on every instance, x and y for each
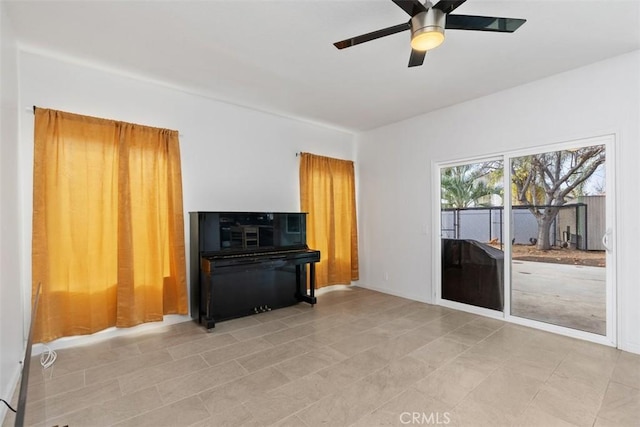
(261, 309)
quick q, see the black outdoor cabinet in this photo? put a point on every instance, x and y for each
(472, 273)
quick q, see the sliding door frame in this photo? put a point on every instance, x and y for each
(609, 141)
(437, 167)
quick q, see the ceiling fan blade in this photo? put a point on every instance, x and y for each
(412, 7)
(448, 6)
(417, 57)
(483, 23)
(372, 36)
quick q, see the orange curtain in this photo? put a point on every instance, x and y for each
(327, 193)
(108, 227)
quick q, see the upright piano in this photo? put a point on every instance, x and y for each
(244, 263)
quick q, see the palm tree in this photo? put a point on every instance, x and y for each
(464, 186)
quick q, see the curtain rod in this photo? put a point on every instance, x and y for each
(34, 111)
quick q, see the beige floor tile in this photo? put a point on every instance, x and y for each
(569, 400)
(236, 416)
(336, 333)
(552, 342)
(309, 362)
(454, 381)
(291, 334)
(275, 406)
(601, 422)
(486, 322)
(77, 359)
(242, 389)
(409, 408)
(534, 417)
(353, 369)
(400, 346)
(470, 334)
(358, 357)
(292, 421)
(112, 411)
(509, 391)
(308, 316)
(425, 314)
(188, 385)
(362, 341)
(281, 313)
(233, 351)
(235, 324)
(149, 376)
(439, 351)
(52, 386)
(534, 361)
(627, 370)
(211, 342)
(511, 337)
(379, 418)
(341, 408)
(162, 341)
(122, 367)
(181, 413)
(472, 413)
(393, 313)
(64, 403)
(596, 373)
(596, 351)
(348, 405)
(259, 330)
(399, 375)
(274, 355)
(439, 327)
(621, 404)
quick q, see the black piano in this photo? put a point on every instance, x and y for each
(244, 263)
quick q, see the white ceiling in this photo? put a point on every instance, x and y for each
(278, 56)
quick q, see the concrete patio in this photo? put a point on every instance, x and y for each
(573, 296)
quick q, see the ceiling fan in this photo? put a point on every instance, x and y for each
(427, 26)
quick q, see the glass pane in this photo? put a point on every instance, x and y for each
(471, 234)
(557, 255)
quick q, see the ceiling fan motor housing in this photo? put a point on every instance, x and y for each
(427, 25)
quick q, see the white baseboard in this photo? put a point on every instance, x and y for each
(394, 292)
(629, 347)
(109, 333)
(8, 391)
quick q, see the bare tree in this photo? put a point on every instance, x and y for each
(543, 181)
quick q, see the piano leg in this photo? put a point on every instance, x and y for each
(206, 318)
(312, 282)
(301, 293)
(209, 323)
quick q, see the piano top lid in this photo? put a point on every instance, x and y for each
(227, 253)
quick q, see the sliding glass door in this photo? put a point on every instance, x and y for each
(528, 236)
(560, 237)
(471, 234)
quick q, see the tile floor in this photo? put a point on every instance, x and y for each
(357, 358)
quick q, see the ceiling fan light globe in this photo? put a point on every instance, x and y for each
(427, 29)
(427, 40)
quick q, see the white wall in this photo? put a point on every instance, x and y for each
(395, 165)
(233, 158)
(11, 332)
